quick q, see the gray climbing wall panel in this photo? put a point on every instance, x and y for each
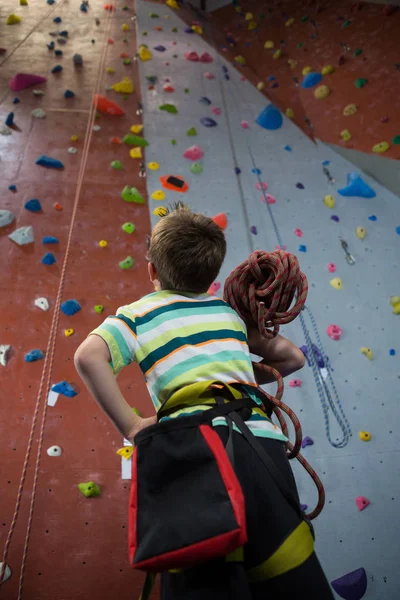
(346, 538)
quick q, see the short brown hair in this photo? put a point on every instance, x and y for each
(187, 249)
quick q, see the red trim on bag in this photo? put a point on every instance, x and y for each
(133, 506)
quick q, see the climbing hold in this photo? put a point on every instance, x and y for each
(127, 263)
(168, 88)
(205, 58)
(298, 232)
(6, 217)
(360, 83)
(261, 186)
(209, 75)
(345, 135)
(136, 153)
(5, 130)
(335, 218)
(22, 235)
(302, 248)
(306, 71)
(253, 230)
(240, 60)
(277, 54)
(104, 105)
(307, 441)
(205, 100)
(260, 86)
(103, 244)
(362, 502)
(299, 185)
(367, 352)
(7, 571)
(329, 201)
(351, 586)
(237, 171)
(135, 140)
(128, 227)
(193, 153)
(331, 267)
(68, 332)
(270, 118)
(192, 131)
(38, 113)
(57, 69)
(23, 2)
(4, 354)
(336, 283)
(72, 150)
(244, 124)
(145, 54)
(395, 303)
(356, 186)
(77, 59)
(33, 356)
(327, 70)
(334, 331)
(172, 4)
(64, 388)
(48, 259)
(269, 199)
(126, 452)
(208, 122)
(173, 142)
(131, 194)
(365, 436)
(269, 44)
(10, 119)
(196, 168)
(13, 19)
(68, 94)
(160, 211)
(110, 70)
(50, 163)
(57, 53)
(89, 490)
(83, 7)
(116, 164)
(361, 232)
(124, 87)
(192, 56)
(221, 220)
(42, 303)
(216, 111)
(160, 48)
(49, 239)
(98, 308)
(158, 195)
(289, 22)
(170, 108)
(322, 92)
(295, 383)
(70, 307)
(20, 81)
(153, 166)
(380, 148)
(392, 351)
(136, 129)
(290, 114)
(54, 451)
(311, 79)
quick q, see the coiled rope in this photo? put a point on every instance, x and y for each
(261, 290)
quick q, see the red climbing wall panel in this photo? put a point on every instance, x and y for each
(78, 546)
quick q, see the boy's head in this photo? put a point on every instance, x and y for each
(186, 251)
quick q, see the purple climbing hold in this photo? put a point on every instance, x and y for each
(205, 100)
(48, 259)
(300, 186)
(160, 48)
(188, 30)
(207, 122)
(33, 205)
(303, 507)
(307, 441)
(253, 230)
(351, 586)
(50, 163)
(335, 218)
(10, 119)
(237, 171)
(274, 85)
(70, 307)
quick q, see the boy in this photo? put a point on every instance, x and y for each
(181, 336)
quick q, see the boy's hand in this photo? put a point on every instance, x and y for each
(139, 425)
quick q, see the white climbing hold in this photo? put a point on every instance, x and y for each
(72, 150)
(23, 235)
(42, 303)
(38, 92)
(5, 130)
(38, 113)
(96, 127)
(6, 218)
(7, 573)
(4, 350)
(54, 451)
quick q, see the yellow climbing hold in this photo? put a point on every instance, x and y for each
(395, 302)
(260, 85)
(380, 148)
(329, 201)
(172, 4)
(126, 452)
(238, 9)
(158, 195)
(153, 166)
(292, 63)
(336, 283)
(277, 54)
(103, 244)
(289, 22)
(327, 70)
(197, 29)
(110, 70)
(136, 153)
(367, 352)
(144, 53)
(252, 25)
(361, 232)
(125, 27)
(136, 128)
(345, 135)
(13, 19)
(306, 70)
(269, 44)
(349, 109)
(365, 436)
(289, 113)
(124, 87)
(322, 92)
(23, 2)
(161, 211)
(248, 16)
(74, 138)
(240, 60)
(68, 332)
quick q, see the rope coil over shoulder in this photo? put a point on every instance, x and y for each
(261, 290)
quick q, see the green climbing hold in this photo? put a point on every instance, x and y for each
(358, 51)
(125, 97)
(192, 131)
(170, 108)
(196, 168)
(144, 33)
(345, 24)
(305, 18)
(396, 139)
(186, 90)
(128, 227)
(135, 140)
(174, 30)
(359, 83)
(300, 45)
(116, 164)
(131, 194)
(127, 61)
(153, 15)
(135, 410)
(174, 56)
(89, 490)
(127, 263)
(173, 142)
(99, 308)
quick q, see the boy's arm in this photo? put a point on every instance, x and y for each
(92, 363)
(278, 353)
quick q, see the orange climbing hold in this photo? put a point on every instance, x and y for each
(116, 140)
(124, 55)
(175, 183)
(57, 206)
(221, 220)
(104, 105)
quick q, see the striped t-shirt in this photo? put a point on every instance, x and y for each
(179, 339)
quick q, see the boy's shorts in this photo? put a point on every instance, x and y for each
(278, 560)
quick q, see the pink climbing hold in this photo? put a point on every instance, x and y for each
(243, 78)
(216, 111)
(192, 56)
(331, 267)
(362, 502)
(334, 332)
(295, 383)
(298, 232)
(205, 58)
(269, 198)
(263, 186)
(209, 75)
(244, 124)
(193, 153)
(20, 81)
(280, 247)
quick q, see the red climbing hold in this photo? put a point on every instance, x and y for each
(206, 58)
(20, 81)
(124, 55)
(192, 56)
(362, 502)
(221, 220)
(104, 105)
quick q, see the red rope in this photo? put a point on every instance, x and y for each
(261, 290)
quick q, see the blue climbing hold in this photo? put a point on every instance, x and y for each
(207, 122)
(302, 248)
(351, 586)
(392, 352)
(372, 218)
(70, 307)
(33, 205)
(68, 94)
(356, 186)
(12, 188)
(10, 119)
(58, 52)
(65, 389)
(270, 118)
(51, 46)
(57, 20)
(325, 163)
(205, 100)
(307, 441)
(398, 230)
(271, 78)
(49, 239)
(50, 163)
(57, 69)
(310, 80)
(83, 7)
(256, 171)
(227, 77)
(33, 355)
(48, 259)
(50, 2)
(160, 48)
(237, 171)
(287, 148)
(300, 186)
(64, 33)
(16, 101)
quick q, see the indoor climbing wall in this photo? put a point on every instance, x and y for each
(275, 186)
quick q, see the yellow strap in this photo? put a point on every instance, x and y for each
(294, 551)
(198, 393)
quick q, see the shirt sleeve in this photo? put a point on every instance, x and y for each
(119, 333)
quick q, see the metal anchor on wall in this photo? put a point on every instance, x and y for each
(349, 257)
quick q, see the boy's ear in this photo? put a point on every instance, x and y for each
(152, 272)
